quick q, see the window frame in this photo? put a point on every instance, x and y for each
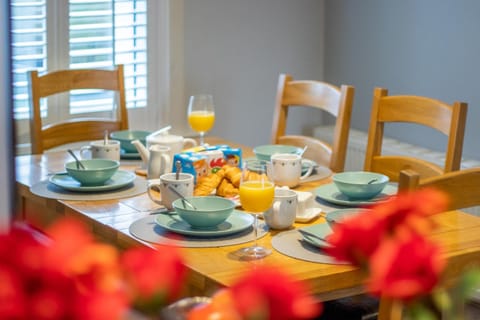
(164, 64)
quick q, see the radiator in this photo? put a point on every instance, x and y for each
(357, 145)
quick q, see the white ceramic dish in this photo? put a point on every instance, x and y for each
(309, 213)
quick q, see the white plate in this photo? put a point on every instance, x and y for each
(238, 221)
(330, 193)
(118, 180)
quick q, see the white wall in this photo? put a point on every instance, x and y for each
(235, 49)
(426, 47)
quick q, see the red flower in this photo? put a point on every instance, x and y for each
(264, 293)
(12, 297)
(405, 268)
(355, 239)
(406, 212)
(67, 276)
(222, 307)
(154, 276)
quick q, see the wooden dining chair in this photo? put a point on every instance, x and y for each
(318, 95)
(447, 119)
(463, 190)
(47, 136)
(461, 186)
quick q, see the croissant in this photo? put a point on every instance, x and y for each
(233, 174)
(206, 185)
(252, 175)
(226, 189)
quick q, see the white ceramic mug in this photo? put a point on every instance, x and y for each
(287, 169)
(282, 213)
(176, 143)
(100, 150)
(184, 185)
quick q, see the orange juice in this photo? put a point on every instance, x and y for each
(256, 196)
(201, 121)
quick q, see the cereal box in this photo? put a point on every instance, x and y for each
(202, 161)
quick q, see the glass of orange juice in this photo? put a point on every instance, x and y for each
(256, 196)
(201, 114)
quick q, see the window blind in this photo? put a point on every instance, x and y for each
(101, 33)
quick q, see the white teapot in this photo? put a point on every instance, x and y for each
(174, 142)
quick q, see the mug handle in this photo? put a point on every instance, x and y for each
(187, 141)
(309, 171)
(151, 196)
(85, 149)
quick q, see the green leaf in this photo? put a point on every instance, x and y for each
(418, 311)
(469, 282)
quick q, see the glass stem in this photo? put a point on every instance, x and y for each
(255, 230)
(201, 138)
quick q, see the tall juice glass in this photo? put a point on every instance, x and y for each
(256, 196)
(201, 114)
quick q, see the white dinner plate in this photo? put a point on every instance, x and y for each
(330, 193)
(238, 221)
(322, 230)
(118, 180)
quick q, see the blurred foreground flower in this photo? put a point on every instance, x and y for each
(69, 275)
(262, 293)
(390, 243)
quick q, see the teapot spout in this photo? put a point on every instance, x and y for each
(144, 153)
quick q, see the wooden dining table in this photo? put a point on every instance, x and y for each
(215, 267)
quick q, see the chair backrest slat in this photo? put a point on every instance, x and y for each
(338, 102)
(44, 137)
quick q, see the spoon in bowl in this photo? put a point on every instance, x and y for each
(303, 151)
(78, 162)
(182, 197)
(372, 181)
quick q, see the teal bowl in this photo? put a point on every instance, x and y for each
(96, 172)
(265, 152)
(210, 212)
(360, 185)
(127, 136)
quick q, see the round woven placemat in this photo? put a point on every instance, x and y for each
(147, 229)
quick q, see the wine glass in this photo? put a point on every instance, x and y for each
(256, 196)
(201, 114)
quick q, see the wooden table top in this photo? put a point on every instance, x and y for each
(212, 268)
